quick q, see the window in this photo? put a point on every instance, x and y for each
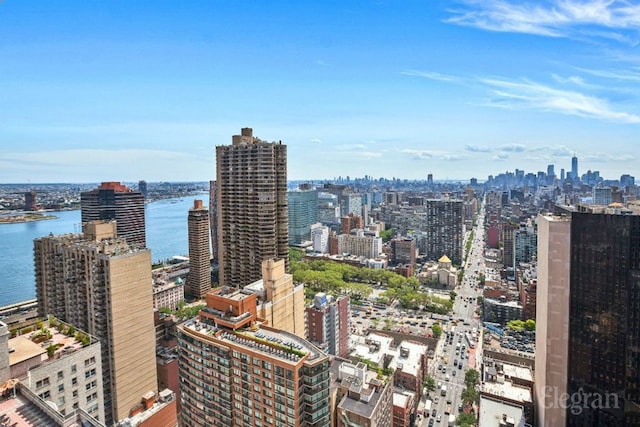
(61, 401)
(92, 397)
(42, 383)
(90, 361)
(74, 368)
(74, 381)
(44, 396)
(60, 388)
(90, 373)
(60, 375)
(75, 393)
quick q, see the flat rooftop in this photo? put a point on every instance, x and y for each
(23, 413)
(508, 391)
(406, 356)
(492, 413)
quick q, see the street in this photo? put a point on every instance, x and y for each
(458, 345)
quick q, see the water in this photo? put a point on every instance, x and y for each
(167, 236)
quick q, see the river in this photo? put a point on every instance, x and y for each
(167, 235)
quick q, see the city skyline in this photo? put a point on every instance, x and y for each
(459, 89)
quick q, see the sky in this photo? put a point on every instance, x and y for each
(127, 90)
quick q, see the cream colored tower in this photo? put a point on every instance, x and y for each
(283, 306)
(100, 284)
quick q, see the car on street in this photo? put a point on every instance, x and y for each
(439, 418)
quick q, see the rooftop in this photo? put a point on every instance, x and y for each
(406, 356)
(271, 342)
(508, 390)
(493, 413)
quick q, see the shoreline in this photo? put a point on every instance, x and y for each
(21, 219)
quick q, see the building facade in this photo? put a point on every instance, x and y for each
(588, 296)
(252, 207)
(280, 302)
(199, 278)
(234, 371)
(328, 324)
(303, 211)
(98, 283)
(114, 201)
(444, 229)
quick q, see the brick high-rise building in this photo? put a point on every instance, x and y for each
(115, 201)
(351, 222)
(100, 284)
(587, 318)
(235, 371)
(328, 324)
(199, 279)
(252, 207)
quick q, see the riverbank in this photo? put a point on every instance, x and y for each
(27, 217)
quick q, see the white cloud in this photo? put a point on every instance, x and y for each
(316, 141)
(564, 18)
(431, 154)
(418, 154)
(501, 156)
(477, 148)
(431, 75)
(515, 148)
(527, 94)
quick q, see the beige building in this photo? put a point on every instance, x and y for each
(199, 279)
(280, 303)
(552, 319)
(251, 197)
(98, 283)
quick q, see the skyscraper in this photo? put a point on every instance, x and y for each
(444, 229)
(303, 211)
(235, 371)
(588, 337)
(114, 201)
(574, 167)
(252, 207)
(199, 279)
(100, 284)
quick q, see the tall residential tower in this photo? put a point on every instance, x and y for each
(100, 284)
(199, 279)
(252, 212)
(115, 201)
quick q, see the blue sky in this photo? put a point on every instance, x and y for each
(117, 90)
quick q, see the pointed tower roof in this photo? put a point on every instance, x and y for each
(444, 258)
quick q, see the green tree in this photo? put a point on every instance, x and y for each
(437, 330)
(295, 254)
(480, 299)
(466, 419)
(530, 325)
(516, 325)
(429, 383)
(471, 378)
(453, 295)
(386, 235)
(470, 395)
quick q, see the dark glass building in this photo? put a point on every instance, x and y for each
(115, 201)
(604, 319)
